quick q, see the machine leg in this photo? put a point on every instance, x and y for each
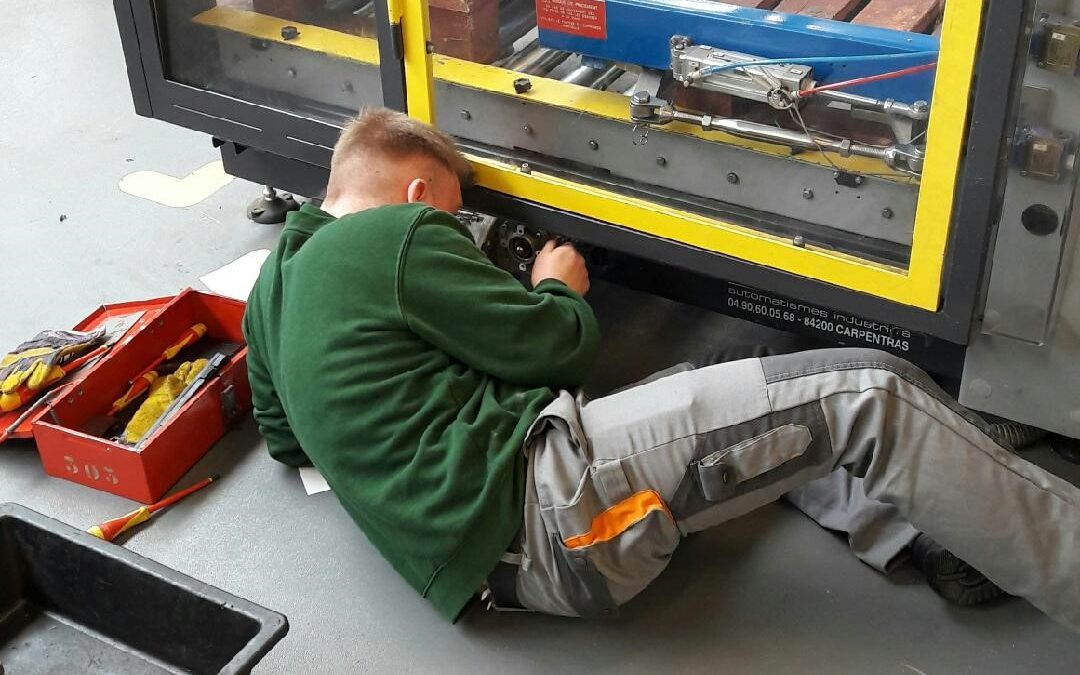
(270, 208)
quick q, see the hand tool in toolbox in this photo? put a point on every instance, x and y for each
(141, 382)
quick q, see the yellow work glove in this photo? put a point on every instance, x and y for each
(163, 392)
(37, 363)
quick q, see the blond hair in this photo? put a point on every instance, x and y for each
(393, 135)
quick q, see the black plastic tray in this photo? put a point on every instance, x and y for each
(71, 603)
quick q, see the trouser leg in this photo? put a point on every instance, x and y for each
(701, 447)
(876, 532)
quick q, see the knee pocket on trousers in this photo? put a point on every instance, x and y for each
(722, 471)
(736, 460)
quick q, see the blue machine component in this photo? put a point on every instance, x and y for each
(639, 32)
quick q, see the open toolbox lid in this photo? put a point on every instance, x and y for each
(19, 422)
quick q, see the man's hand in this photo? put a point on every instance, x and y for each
(563, 263)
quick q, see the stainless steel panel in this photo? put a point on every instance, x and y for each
(1024, 362)
(1032, 383)
(879, 208)
(1028, 265)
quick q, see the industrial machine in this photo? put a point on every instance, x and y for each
(894, 174)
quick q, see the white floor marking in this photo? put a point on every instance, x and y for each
(177, 192)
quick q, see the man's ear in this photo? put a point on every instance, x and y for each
(417, 190)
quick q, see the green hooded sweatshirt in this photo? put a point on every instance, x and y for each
(388, 351)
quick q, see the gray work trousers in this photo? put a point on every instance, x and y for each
(613, 484)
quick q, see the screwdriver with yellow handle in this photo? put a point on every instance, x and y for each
(141, 382)
(190, 336)
(111, 529)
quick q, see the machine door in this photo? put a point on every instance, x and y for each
(277, 75)
(823, 139)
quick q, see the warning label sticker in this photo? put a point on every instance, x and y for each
(586, 18)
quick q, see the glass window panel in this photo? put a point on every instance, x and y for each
(316, 58)
(840, 169)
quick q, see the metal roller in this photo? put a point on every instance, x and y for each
(528, 53)
(583, 76)
(516, 18)
(608, 77)
(546, 63)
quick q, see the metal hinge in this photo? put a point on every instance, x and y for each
(229, 410)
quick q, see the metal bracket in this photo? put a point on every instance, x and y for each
(713, 69)
(229, 409)
(848, 179)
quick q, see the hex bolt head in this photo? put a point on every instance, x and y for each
(887, 213)
(465, 114)
(859, 180)
(522, 85)
(807, 193)
(661, 160)
(640, 97)
(799, 241)
(290, 32)
(733, 178)
(593, 145)
(525, 168)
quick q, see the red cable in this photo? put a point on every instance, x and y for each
(867, 80)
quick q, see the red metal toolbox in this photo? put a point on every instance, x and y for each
(144, 472)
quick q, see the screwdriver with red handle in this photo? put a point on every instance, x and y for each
(191, 335)
(141, 382)
(111, 529)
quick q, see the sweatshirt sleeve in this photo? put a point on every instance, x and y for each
(451, 295)
(269, 413)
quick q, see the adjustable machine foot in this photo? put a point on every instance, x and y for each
(271, 208)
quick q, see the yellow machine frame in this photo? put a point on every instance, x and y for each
(918, 285)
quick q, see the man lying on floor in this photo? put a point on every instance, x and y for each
(437, 396)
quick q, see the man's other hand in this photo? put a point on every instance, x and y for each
(563, 263)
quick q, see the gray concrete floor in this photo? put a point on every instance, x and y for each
(769, 593)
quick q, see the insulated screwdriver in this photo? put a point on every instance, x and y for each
(190, 336)
(111, 529)
(141, 382)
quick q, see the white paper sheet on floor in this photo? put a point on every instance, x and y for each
(236, 279)
(313, 480)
